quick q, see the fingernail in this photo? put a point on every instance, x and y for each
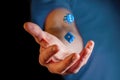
(89, 46)
(91, 43)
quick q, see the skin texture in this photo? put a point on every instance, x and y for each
(52, 42)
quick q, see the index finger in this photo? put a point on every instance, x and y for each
(35, 31)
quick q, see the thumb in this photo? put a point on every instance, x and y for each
(34, 30)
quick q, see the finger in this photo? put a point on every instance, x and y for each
(36, 32)
(75, 68)
(47, 54)
(62, 66)
(84, 56)
(87, 51)
(89, 48)
(90, 45)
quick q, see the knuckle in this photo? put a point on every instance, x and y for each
(37, 35)
(55, 71)
(41, 61)
(51, 70)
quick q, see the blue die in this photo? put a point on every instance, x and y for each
(69, 18)
(69, 37)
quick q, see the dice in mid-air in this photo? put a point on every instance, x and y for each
(69, 37)
(69, 18)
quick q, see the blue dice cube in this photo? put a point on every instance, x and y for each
(69, 18)
(69, 37)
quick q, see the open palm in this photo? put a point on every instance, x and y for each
(52, 49)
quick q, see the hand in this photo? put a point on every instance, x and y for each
(71, 64)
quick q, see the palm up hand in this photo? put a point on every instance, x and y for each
(52, 49)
